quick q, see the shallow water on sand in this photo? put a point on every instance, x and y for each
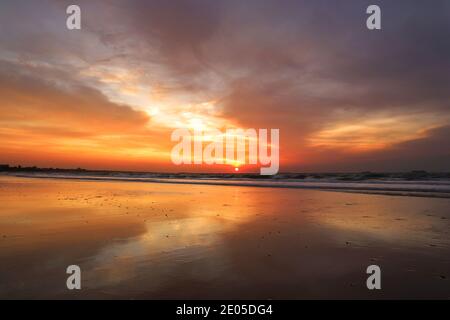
(150, 240)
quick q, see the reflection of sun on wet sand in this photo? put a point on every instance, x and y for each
(150, 240)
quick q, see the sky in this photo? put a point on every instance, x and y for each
(108, 96)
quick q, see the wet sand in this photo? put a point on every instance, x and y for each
(137, 240)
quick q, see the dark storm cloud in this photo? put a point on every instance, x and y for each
(311, 53)
(265, 43)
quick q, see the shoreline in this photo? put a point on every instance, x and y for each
(388, 188)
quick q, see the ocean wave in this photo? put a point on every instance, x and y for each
(423, 188)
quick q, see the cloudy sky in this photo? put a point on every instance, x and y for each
(109, 95)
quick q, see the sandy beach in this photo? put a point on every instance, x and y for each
(136, 240)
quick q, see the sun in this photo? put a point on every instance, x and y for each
(236, 169)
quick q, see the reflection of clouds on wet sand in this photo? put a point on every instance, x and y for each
(155, 255)
(411, 221)
(147, 240)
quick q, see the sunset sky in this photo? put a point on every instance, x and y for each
(109, 95)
